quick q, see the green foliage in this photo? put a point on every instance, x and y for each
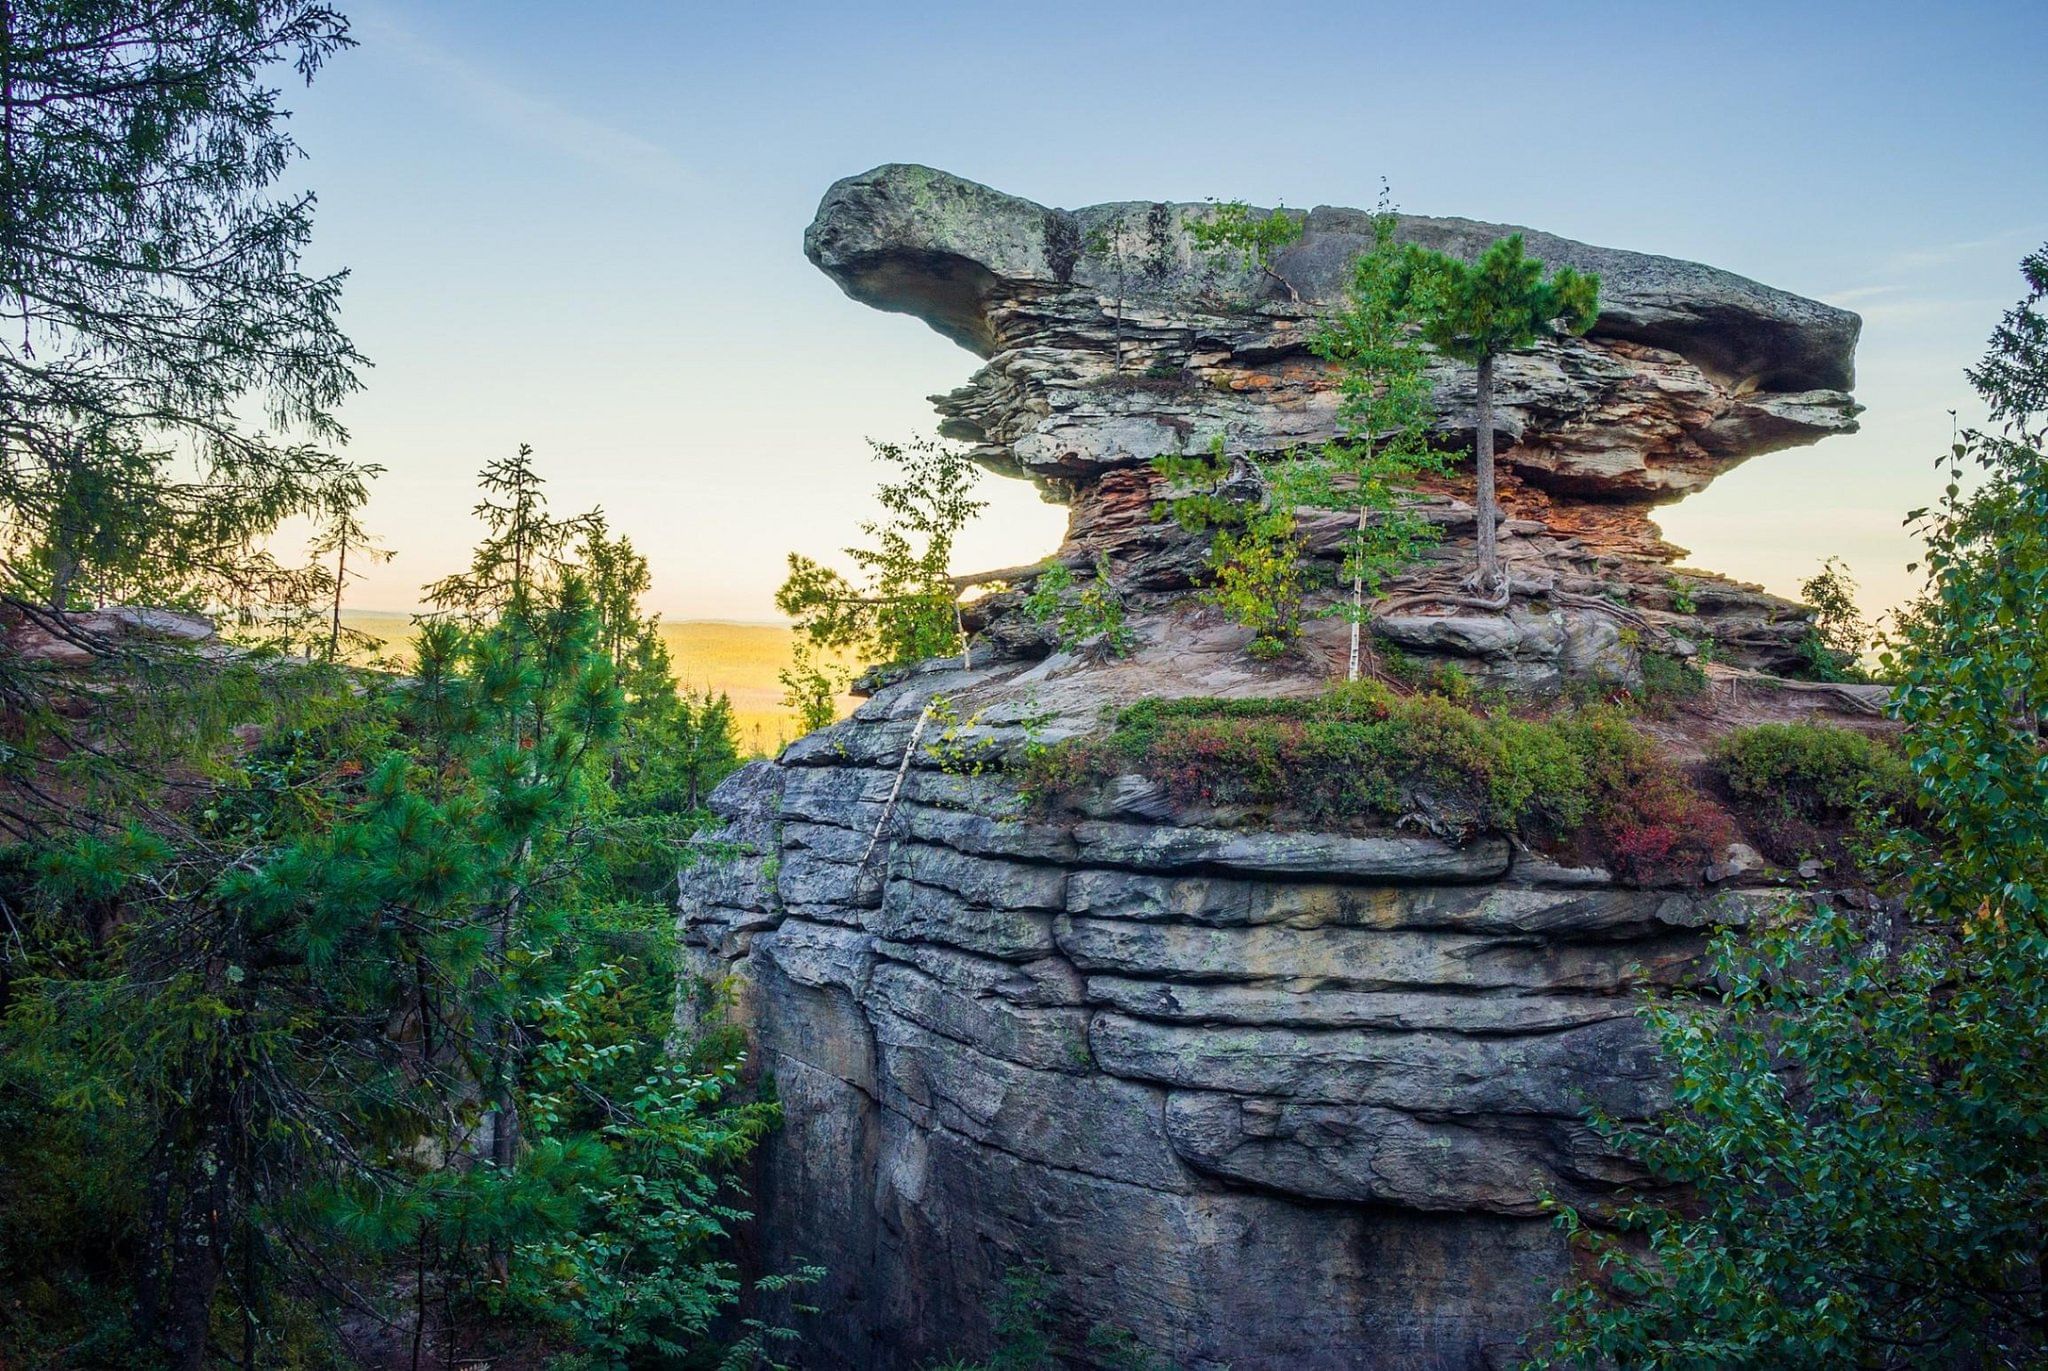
(1813, 772)
(1435, 677)
(390, 990)
(811, 687)
(1860, 1124)
(1092, 614)
(523, 548)
(1816, 1204)
(1501, 303)
(1386, 413)
(1833, 647)
(1360, 755)
(1020, 1319)
(637, 1270)
(1196, 480)
(1668, 680)
(160, 304)
(957, 745)
(1259, 582)
(1232, 226)
(1682, 601)
(904, 607)
(1254, 559)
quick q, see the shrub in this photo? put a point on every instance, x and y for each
(1667, 679)
(1437, 677)
(1092, 614)
(1643, 817)
(1801, 785)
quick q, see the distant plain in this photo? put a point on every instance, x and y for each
(739, 659)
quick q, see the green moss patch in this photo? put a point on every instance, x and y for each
(1586, 784)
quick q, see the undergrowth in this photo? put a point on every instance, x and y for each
(1803, 790)
(1585, 783)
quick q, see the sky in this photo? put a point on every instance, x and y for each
(580, 226)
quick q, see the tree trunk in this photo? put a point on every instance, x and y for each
(334, 622)
(196, 1247)
(156, 1225)
(1489, 499)
(1358, 574)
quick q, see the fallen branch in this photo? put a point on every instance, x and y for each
(889, 804)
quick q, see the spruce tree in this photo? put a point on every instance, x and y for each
(155, 283)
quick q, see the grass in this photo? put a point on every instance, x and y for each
(739, 659)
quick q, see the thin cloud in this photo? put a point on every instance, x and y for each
(1846, 298)
(515, 111)
(1942, 254)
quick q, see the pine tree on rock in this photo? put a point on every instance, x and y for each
(1475, 312)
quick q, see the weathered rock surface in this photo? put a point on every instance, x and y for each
(1259, 1098)
(1109, 338)
(84, 637)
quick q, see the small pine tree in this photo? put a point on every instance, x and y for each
(1477, 311)
(1385, 414)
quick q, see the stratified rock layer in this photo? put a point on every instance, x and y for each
(1258, 1099)
(1111, 338)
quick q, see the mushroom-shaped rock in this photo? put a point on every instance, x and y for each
(1111, 337)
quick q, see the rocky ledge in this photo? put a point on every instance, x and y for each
(1251, 1097)
(1111, 338)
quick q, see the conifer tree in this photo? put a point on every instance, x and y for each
(1477, 311)
(391, 999)
(158, 298)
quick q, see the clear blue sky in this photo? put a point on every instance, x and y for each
(580, 226)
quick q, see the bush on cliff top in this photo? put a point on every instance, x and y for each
(1800, 787)
(1810, 772)
(1587, 782)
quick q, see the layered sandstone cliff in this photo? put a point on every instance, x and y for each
(1254, 1097)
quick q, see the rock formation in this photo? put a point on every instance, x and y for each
(1111, 339)
(1251, 1098)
